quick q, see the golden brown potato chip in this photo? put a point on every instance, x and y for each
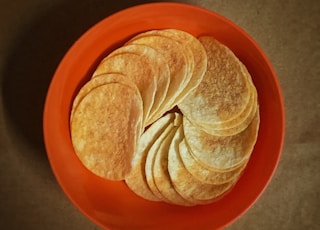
(160, 68)
(230, 131)
(183, 39)
(136, 180)
(189, 187)
(138, 70)
(199, 57)
(217, 152)
(160, 169)
(224, 91)
(204, 174)
(104, 129)
(238, 124)
(178, 65)
(94, 83)
(151, 158)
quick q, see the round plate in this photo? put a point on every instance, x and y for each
(111, 204)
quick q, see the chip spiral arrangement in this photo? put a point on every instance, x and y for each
(174, 116)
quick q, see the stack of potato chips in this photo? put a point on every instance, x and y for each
(173, 115)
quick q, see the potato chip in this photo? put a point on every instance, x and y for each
(138, 70)
(199, 56)
(136, 180)
(217, 152)
(183, 39)
(160, 169)
(203, 173)
(235, 129)
(224, 91)
(105, 127)
(178, 65)
(188, 186)
(94, 83)
(160, 69)
(238, 124)
(151, 158)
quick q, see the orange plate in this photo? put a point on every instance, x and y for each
(111, 204)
